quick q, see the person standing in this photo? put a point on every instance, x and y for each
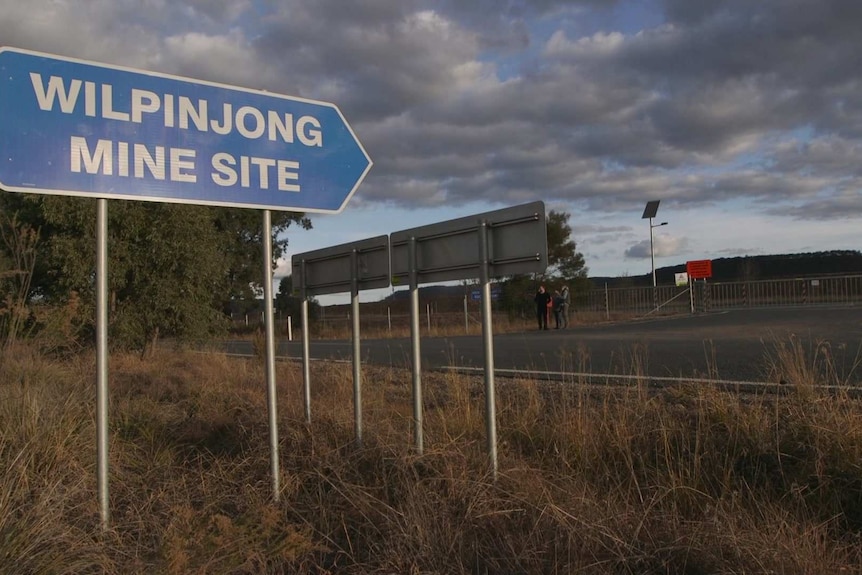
(564, 306)
(542, 300)
(558, 309)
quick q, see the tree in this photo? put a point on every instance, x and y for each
(289, 303)
(565, 265)
(18, 244)
(172, 269)
(564, 261)
(242, 234)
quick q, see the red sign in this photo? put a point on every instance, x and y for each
(699, 269)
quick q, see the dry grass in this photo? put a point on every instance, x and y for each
(445, 324)
(618, 480)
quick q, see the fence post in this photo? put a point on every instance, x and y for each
(466, 317)
(607, 303)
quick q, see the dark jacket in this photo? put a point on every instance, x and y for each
(542, 299)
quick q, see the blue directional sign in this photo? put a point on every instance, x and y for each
(476, 295)
(80, 128)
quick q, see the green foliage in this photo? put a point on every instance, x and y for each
(290, 304)
(564, 261)
(18, 244)
(565, 266)
(517, 296)
(285, 300)
(172, 269)
(241, 234)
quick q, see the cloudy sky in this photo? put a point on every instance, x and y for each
(743, 117)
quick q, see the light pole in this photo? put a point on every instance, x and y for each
(651, 251)
(649, 213)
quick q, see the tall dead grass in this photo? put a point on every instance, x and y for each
(686, 479)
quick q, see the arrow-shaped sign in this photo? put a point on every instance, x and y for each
(73, 127)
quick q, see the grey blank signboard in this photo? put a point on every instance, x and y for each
(517, 244)
(330, 270)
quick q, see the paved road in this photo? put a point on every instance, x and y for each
(733, 345)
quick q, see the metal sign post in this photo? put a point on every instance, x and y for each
(77, 128)
(102, 358)
(466, 317)
(354, 331)
(415, 346)
(698, 270)
(344, 268)
(488, 345)
(505, 242)
(269, 325)
(306, 369)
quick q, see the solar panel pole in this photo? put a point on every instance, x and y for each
(651, 252)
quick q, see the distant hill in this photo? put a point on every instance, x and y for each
(753, 268)
(431, 292)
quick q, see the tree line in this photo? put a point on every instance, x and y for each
(753, 268)
(174, 270)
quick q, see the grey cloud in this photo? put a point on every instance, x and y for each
(764, 186)
(605, 121)
(118, 31)
(663, 246)
(819, 156)
(638, 251)
(501, 24)
(844, 206)
(224, 11)
(719, 70)
(375, 62)
(797, 40)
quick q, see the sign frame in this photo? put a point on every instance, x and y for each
(330, 269)
(446, 251)
(82, 128)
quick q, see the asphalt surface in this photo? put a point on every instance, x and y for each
(738, 345)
